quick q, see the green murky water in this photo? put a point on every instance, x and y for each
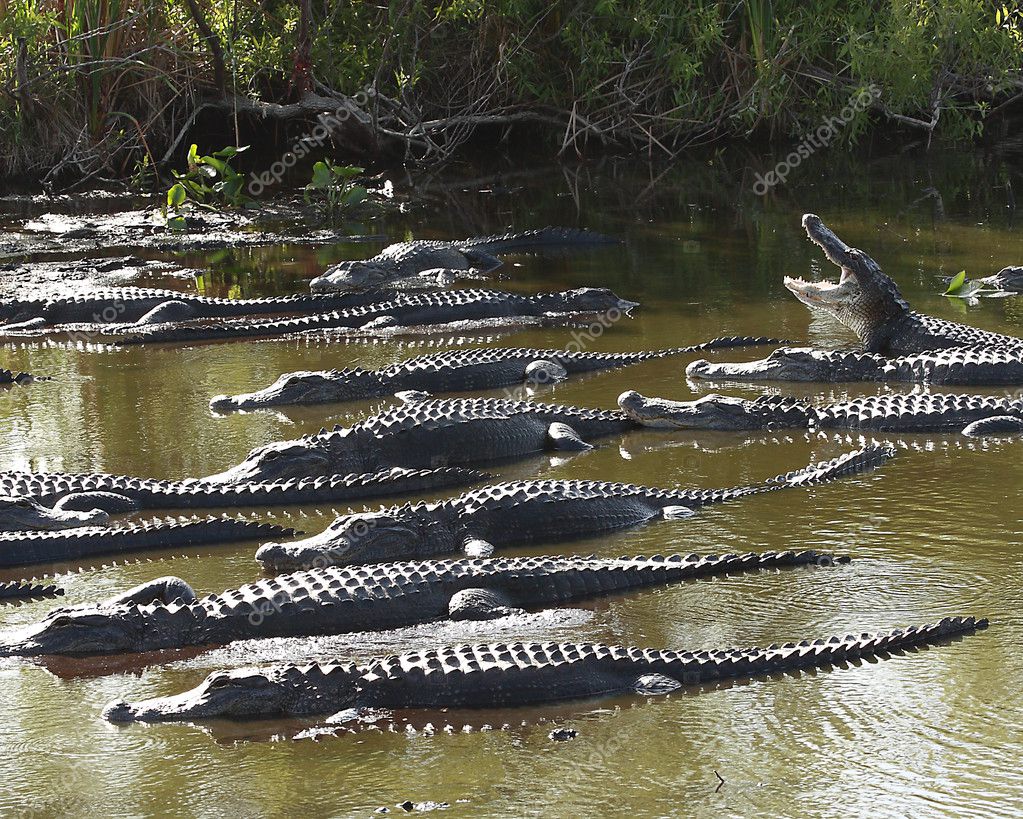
(939, 531)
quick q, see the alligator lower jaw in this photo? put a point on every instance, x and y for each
(816, 294)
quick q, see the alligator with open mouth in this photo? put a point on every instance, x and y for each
(975, 415)
(431, 311)
(508, 675)
(962, 366)
(869, 302)
(406, 260)
(145, 305)
(429, 434)
(69, 491)
(166, 613)
(453, 371)
(525, 512)
(25, 548)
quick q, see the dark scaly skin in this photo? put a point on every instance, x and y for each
(20, 512)
(27, 548)
(22, 590)
(425, 434)
(881, 413)
(129, 304)
(8, 377)
(407, 259)
(405, 309)
(145, 493)
(363, 598)
(449, 371)
(967, 366)
(869, 302)
(524, 512)
(1008, 278)
(508, 675)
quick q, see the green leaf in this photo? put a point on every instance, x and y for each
(956, 284)
(322, 176)
(176, 223)
(176, 196)
(356, 196)
(193, 155)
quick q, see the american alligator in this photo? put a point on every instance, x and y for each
(122, 493)
(125, 305)
(508, 675)
(524, 512)
(27, 548)
(431, 433)
(20, 513)
(21, 590)
(451, 371)
(960, 367)
(408, 259)
(869, 302)
(405, 309)
(167, 614)
(881, 413)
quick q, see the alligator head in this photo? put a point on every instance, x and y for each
(247, 692)
(24, 514)
(712, 412)
(76, 631)
(284, 459)
(304, 387)
(364, 537)
(352, 276)
(865, 299)
(786, 364)
(588, 300)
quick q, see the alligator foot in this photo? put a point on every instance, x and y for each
(480, 604)
(110, 502)
(566, 439)
(164, 590)
(996, 425)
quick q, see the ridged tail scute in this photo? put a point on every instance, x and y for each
(539, 237)
(866, 459)
(20, 590)
(729, 342)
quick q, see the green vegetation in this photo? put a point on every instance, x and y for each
(102, 88)
(332, 190)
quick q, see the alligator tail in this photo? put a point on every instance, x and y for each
(728, 342)
(541, 237)
(866, 459)
(21, 590)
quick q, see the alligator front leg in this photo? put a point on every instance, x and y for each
(482, 261)
(161, 590)
(996, 425)
(480, 604)
(544, 371)
(677, 512)
(562, 437)
(110, 502)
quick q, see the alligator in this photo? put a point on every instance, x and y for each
(405, 309)
(406, 260)
(451, 371)
(431, 433)
(967, 366)
(22, 590)
(166, 613)
(524, 512)
(869, 302)
(124, 493)
(27, 548)
(145, 305)
(508, 675)
(20, 512)
(1008, 279)
(968, 414)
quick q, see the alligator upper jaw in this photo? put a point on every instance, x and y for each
(658, 413)
(765, 369)
(160, 709)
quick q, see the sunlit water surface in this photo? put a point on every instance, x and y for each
(937, 532)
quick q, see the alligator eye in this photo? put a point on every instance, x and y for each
(218, 681)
